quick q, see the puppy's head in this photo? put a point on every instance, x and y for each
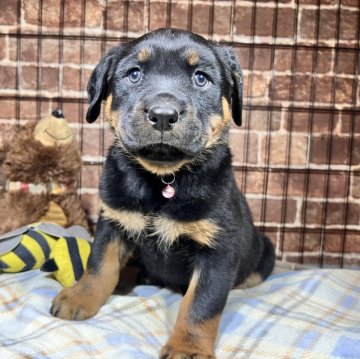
(169, 95)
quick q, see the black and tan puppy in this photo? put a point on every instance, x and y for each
(169, 196)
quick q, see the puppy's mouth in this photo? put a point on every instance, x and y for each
(162, 153)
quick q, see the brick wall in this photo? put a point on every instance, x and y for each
(297, 156)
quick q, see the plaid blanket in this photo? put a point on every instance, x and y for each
(305, 314)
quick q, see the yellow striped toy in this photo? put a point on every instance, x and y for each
(31, 252)
(68, 260)
(49, 247)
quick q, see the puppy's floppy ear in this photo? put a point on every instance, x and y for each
(234, 73)
(98, 86)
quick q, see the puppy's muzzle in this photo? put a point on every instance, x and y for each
(163, 117)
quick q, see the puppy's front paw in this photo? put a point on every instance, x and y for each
(172, 352)
(73, 304)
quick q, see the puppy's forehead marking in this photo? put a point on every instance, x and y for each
(144, 54)
(193, 57)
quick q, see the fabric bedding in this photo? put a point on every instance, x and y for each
(299, 314)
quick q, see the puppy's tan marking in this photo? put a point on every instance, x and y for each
(133, 222)
(144, 55)
(188, 337)
(219, 123)
(251, 281)
(193, 58)
(159, 169)
(85, 298)
(169, 230)
(111, 117)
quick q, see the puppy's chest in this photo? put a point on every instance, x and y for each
(161, 228)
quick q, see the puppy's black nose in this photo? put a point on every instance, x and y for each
(163, 117)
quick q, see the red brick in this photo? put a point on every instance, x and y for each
(48, 16)
(297, 242)
(308, 122)
(344, 90)
(262, 59)
(262, 120)
(74, 111)
(355, 160)
(352, 244)
(71, 51)
(90, 175)
(126, 16)
(49, 79)
(50, 51)
(34, 110)
(327, 23)
(71, 79)
(93, 52)
(350, 3)
(334, 212)
(308, 61)
(332, 243)
(250, 181)
(31, 12)
(349, 24)
(73, 13)
(158, 15)
(91, 142)
(315, 2)
(28, 49)
(264, 22)
(285, 22)
(302, 85)
(274, 210)
(243, 20)
(243, 54)
(279, 149)
(355, 186)
(350, 123)
(200, 18)
(8, 77)
(51, 13)
(94, 13)
(323, 89)
(280, 88)
(2, 48)
(180, 15)
(347, 62)
(255, 85)
(8, 109)
(9, 11)
(136, 16)
(222, 27)
(283, 59)
(238, 141)
(28, 78)
(115, 15)
(320, 150)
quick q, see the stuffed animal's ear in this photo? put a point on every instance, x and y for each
(234, 72)
(98, 85)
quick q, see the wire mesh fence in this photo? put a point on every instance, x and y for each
(297, 155)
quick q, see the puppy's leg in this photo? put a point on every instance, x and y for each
(197, 323)
(108, 255)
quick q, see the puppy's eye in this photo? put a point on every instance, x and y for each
(134, 76)
(200, 79)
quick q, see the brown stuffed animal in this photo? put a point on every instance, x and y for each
(38, 173)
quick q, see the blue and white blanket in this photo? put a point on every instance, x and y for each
(303, 314)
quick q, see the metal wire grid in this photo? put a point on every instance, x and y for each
(277, 232)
